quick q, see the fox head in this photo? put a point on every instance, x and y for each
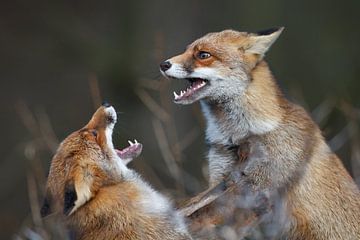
(84, 162)
(218, 63)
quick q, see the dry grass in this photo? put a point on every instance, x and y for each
(155, 97)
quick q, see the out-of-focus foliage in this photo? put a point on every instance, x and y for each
(59, 58)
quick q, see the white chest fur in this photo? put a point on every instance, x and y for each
(236, 125)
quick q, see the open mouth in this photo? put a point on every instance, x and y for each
(131, 151)
(196, 84)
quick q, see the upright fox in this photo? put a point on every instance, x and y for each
(90, 186)
(288, 156)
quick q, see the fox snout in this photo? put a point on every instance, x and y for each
(164, 66)
(217, 66)
(85, 161)
(104, 117)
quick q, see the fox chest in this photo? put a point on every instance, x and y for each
(224, 129)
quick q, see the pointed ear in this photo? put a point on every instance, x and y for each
(70, 198)
(77, 192)
(262, 41)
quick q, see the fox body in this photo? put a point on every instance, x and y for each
(90, 186)
(289, 161)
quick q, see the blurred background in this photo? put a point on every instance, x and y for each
(60, 59)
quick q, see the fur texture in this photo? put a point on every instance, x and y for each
(90, 186)
(310, 193)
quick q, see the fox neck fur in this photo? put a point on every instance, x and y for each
(289, 154)
(256, 111)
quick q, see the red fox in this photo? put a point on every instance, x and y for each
(289, 162)
(90, 186)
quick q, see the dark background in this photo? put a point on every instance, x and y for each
(59, 59)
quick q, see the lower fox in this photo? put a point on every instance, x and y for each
(90, 186)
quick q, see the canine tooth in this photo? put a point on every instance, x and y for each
(130, 143)
(175, 95)
(136, 142)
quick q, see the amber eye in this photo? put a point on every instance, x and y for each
(94, 132)
(110, 119)
(203, 55)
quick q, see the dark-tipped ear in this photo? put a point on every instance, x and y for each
(77, 191)
(70, 198)
(260, 42)
(269, 31)
(46, 206)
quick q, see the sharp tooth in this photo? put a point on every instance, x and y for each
(130, 143)
(175, 95)
(182, 92)
(136, 142)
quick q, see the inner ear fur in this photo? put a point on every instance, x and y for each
(260, 42)
(70, 197)
(78, 190)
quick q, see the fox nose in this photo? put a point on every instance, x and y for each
(165, 66)
(106, 104)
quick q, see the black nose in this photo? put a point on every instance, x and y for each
(165, 66)
(106, 104)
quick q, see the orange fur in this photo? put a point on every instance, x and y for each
(98, 196)
(308, 192)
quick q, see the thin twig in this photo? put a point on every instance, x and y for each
(34, 206)
(165, 149)
(150, 84)
(339, 139)
(151, 104)
(95, 90)
(47, 131)
(27, 118)
(323, 110)
(188, 139)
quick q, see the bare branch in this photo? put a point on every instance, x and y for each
(151, 104)
(165, 150)
(95, 90)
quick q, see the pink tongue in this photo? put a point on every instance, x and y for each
(193, 86)
(122, 153)
(197, 82)
(118, 152)
(130, 152)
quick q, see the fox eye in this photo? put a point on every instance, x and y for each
(203, 55)
(94, 132)
(110, 119)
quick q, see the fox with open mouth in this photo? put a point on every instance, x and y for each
(288, 161)
(98, 196)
